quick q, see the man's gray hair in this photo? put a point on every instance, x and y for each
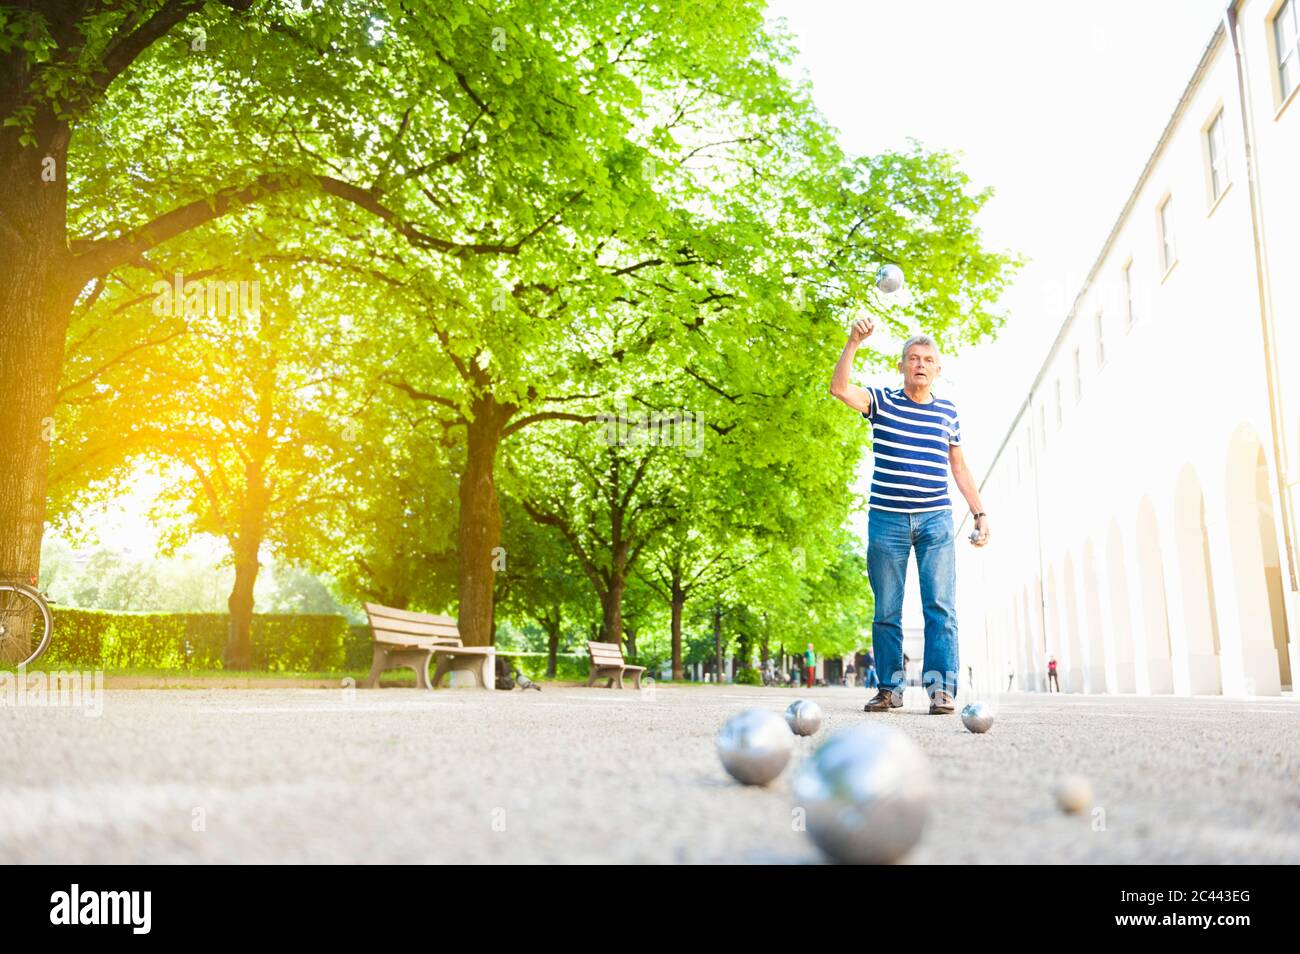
(920, 340)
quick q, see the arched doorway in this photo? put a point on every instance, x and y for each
(1256, 564)
(1155, 613)
(1052, 612)
(1095, 674)
(1072, 680)
(1025, 668)
(1122, 629)
(1199, 618)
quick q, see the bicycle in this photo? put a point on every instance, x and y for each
(26, 624)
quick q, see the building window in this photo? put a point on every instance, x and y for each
(1218, 152)
(1101, 340)
(1168, 255)
(1287, 37)
(1059, 413)
(1129, 317)
(1078, 375)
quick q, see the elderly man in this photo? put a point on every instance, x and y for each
(915, 438)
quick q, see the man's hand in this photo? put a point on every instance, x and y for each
(982, 531)
(860, 330)
(855, 397)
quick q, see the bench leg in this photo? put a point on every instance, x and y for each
(422, 673)
(618, 677)
(487, 672)
(636, 681)
(481, 667)
(591, 680)
(472, 665)
(378, 663)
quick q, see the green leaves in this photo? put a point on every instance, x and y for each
(553, 205)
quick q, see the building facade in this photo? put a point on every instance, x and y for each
(1144, 497)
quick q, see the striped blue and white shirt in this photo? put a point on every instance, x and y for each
(910, 443)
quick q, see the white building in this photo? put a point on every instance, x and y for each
(1143, 500)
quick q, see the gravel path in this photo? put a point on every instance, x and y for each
(590, 775)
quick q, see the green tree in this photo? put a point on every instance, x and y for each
(540, 580)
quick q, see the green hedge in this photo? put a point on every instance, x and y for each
(357, 652)
(569, 666)
(281, 642)
(284, 642)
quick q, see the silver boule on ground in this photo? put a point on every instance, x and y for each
(977, 717)
(754, 746)
(865, 793)
(804, 717)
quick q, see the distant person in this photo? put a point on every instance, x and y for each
(1051, 675)
(850, 674)
(917, 442)
(869, 677)
(810, 667)
(1011, 675)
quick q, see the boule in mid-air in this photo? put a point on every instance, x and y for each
(889, 279)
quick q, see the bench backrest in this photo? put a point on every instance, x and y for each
(405, 628)
(605, 654)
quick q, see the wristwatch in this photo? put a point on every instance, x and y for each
(978, 515)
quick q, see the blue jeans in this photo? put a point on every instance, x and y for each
(890, 538)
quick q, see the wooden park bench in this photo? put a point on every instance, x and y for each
(403, 638)
(607, 663)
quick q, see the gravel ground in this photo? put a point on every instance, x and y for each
(592, 775)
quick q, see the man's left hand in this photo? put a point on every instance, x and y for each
(982, 529)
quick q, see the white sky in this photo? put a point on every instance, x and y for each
(1056, 105)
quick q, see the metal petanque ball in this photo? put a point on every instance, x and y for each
(889, 278)
(754, 746)
(865, 793)
(804, 717)
(977, 717)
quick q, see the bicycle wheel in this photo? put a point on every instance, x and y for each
(25, 625)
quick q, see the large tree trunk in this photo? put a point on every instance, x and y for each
(717, 640)
(552, 650)
(631, 642)
(239, 648)
(480, 524)
(36, 296)
(611, 627)
(678, 604)
(244, 547)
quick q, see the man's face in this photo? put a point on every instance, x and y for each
(920, 366)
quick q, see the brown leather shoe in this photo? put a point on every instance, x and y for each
(941, 703)
(883, 701)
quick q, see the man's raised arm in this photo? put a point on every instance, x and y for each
(855, 397)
